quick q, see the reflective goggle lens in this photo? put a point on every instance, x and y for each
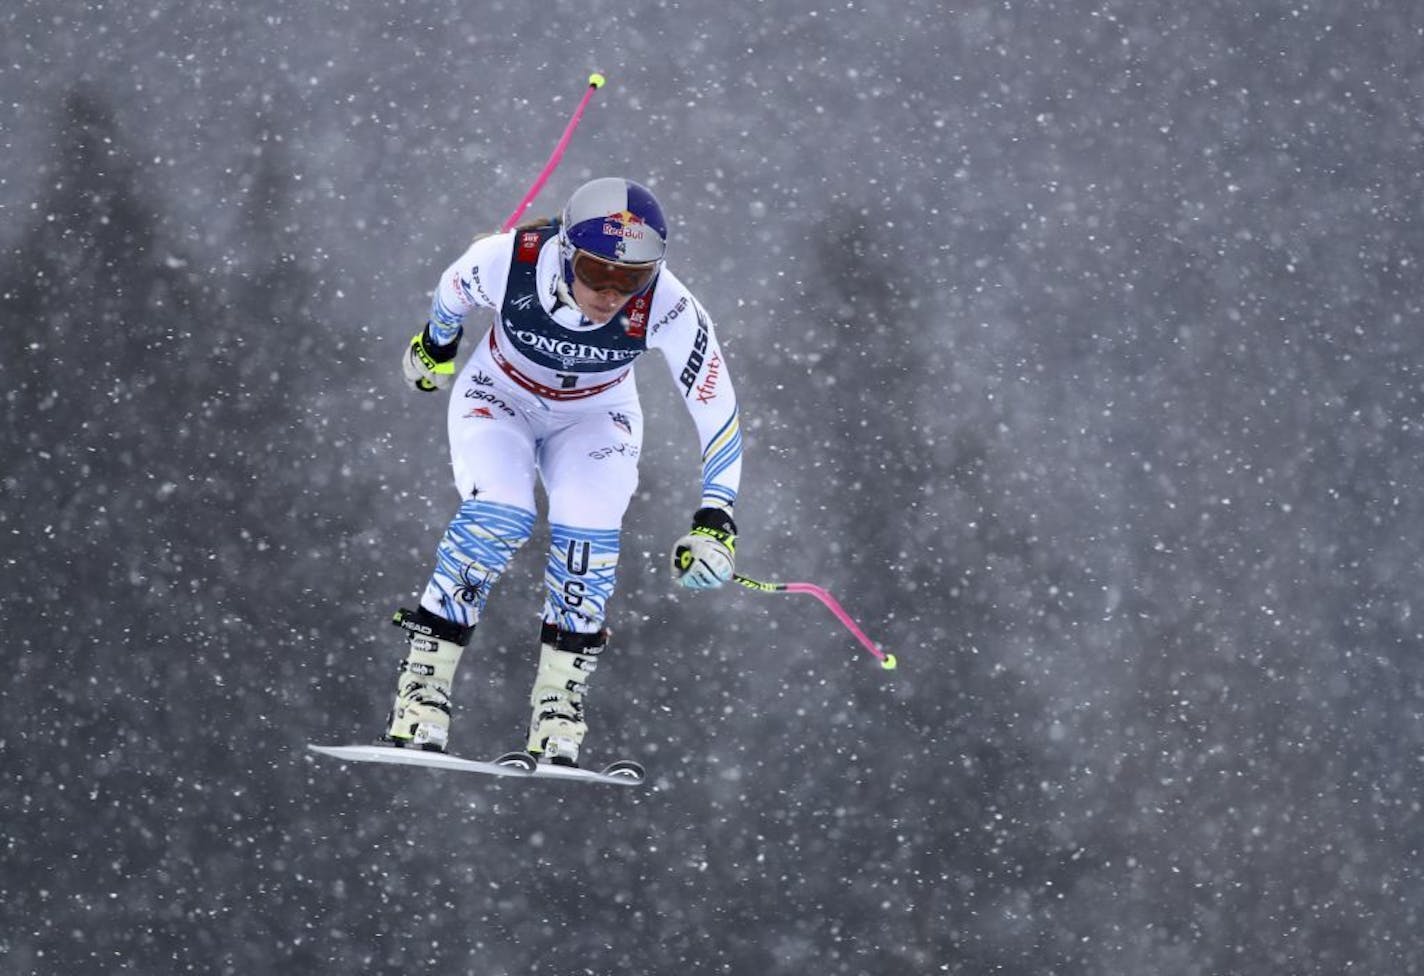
(600, 275)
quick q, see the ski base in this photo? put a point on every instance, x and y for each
(515, 765)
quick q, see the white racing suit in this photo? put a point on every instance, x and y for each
(546, 392)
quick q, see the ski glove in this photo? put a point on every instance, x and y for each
(427, 366)
(705, 557)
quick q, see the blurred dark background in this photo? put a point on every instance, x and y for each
(1079, 349)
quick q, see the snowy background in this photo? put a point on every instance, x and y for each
(1079, 347)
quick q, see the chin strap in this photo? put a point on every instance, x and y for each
(562, 294)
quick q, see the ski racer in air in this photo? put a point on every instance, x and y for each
(548, 394)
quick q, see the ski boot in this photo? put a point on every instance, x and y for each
(420, 717)
(566, 659)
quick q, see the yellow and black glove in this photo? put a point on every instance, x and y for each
(429, 367)
(705, 558)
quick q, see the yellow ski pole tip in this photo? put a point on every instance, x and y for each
(889, 662)
(596, 80)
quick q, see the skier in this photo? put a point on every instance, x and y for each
(549, 390)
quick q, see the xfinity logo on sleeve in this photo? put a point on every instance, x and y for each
(707, 389)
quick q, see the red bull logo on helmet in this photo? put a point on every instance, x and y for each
(624, 224)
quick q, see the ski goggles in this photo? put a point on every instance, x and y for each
(602, 275)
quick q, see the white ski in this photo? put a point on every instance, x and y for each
(415, 757)
(518, 765)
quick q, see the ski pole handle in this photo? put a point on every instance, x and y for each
(887, 661)
(595, 82)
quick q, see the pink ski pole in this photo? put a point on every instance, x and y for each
(595, 82)
(887, 661)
